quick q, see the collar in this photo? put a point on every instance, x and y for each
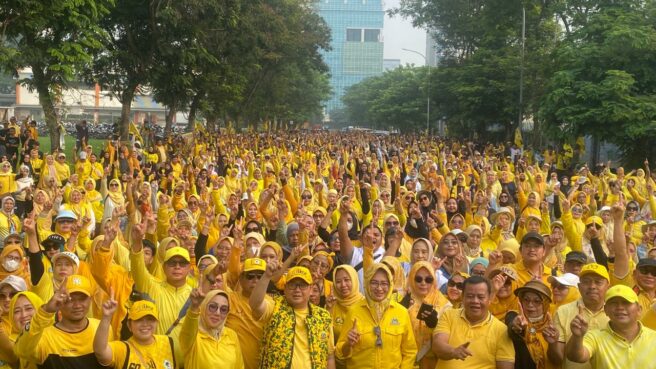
(614, 334)
(479, 324)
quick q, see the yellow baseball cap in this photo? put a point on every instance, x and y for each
(622, 291)
(141, 309)
(301, 273)
(78, 283)
(594, 268)
(176, 251)
(254, 264)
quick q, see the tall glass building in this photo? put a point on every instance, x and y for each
(357, 43)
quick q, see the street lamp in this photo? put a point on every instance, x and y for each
(427, 90)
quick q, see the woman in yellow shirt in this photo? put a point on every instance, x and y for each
(423, 303)
(21, 309)
(377, 332)
(346, 292)
(9, 222)
(204, 339)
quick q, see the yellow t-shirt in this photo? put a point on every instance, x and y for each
(488, 341)
(563, 318)
(240, 319)
(130, 354)
(609, 350)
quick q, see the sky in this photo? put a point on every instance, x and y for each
(399, 34)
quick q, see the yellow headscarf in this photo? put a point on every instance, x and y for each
(203, 324)
(378, 308)
(354, 295)
(116, 195)
(34, 299)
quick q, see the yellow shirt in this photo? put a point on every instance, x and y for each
(524, 275)
(488, 341)
(201, 350)
(609, 350)
(240, 319)
(398, 349)
(563, 318)
(158, 355)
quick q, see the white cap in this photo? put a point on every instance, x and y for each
(567, 279)
(66, 254)
(17, 283)
(603, 208)
(83, 155)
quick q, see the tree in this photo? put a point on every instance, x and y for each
(605, 80)
(53, 38)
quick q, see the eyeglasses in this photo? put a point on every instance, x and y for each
(192, 203)
(4, 296)
(379, 284)
(176, 263)
(113, 185)
(391, 224)
(428, 280)
(306, 197)
(213, 307)
(647, 270)
(631, 208)
(558, 286)
(50, 246)
(298, 285)
(577, 210)
(527, 301)
(251, 276)
(458, 285)
(319, 264)
(379, 336)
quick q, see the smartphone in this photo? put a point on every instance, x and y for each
(424, 308)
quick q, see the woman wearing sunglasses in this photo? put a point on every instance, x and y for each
(423, 302)
(377, 332)
(204, 339)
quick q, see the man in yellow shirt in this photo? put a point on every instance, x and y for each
(471, 337)
(67, 343)
(312, 325)
(240, 318)
(594, 283)
(623, 343)
(531, 265)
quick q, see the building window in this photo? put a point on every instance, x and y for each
(371, 35)
(354, 34)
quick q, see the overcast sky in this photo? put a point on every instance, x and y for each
(399, 34)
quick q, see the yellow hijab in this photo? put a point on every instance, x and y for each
(34, 299)
(378, 308)
(354, 295)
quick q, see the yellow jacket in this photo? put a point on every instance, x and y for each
(399, 347)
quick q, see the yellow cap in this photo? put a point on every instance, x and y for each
(300, 272)
(256, 264)
(594, 219)
(141, 309)
(176, 251)
(78, 283)
(594, 268)
(622, 291)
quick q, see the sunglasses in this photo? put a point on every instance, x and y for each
(558, 286)
(251, 276)
(4, 296)
(113, 185)
(252, 229)
(428, 280)
(390, 224)
(597, 226)
(379, 336)
(177, 263)
(295, 286)
(306, 197)
(647, 270)
(631, 208)
(213, 307)
(458, 285)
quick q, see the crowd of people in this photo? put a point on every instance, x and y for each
(321, 250)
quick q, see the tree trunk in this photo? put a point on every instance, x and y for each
(47, 104)
(126, 109)
(170, 114)
(193, 108)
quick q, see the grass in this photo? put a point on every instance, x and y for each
(97, 145)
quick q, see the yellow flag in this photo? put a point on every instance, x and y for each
(135, 131)
(580, 142)
(518, 137)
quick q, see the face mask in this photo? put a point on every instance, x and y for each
(10, 265)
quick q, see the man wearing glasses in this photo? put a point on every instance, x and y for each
(313, 343)
(471, 337)
(240, 319)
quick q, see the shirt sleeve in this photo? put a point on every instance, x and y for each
(558, 322)
(268, 311)
(505, 349)
(590, 342)
(119, 353)
(443, 324)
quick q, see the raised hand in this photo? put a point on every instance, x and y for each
(109, 307)
(196, 298)
(579, 325)
(353, 334)
(58, 299)
(272, 268)
(29, 224)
